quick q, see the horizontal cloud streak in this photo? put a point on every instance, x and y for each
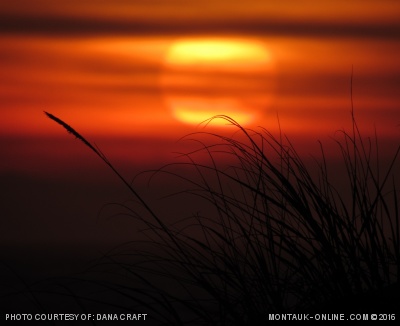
(81, 26)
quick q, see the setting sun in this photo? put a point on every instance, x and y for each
(216, 52)
(205, 77)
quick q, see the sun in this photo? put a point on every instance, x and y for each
(217, 52)
(204, 77)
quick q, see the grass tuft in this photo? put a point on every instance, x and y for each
(281, 235)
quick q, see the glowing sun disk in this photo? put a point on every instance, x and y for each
(202, 61)
(215, 51)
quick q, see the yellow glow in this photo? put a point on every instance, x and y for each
(196, 117)
(205, 77)
(196, 110)
(216, 52)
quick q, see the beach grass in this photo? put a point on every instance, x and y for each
(279, 234)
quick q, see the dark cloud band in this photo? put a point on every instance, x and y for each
(73, 26)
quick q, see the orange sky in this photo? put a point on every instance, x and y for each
(105, 67)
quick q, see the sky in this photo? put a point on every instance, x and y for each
(136, 76)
